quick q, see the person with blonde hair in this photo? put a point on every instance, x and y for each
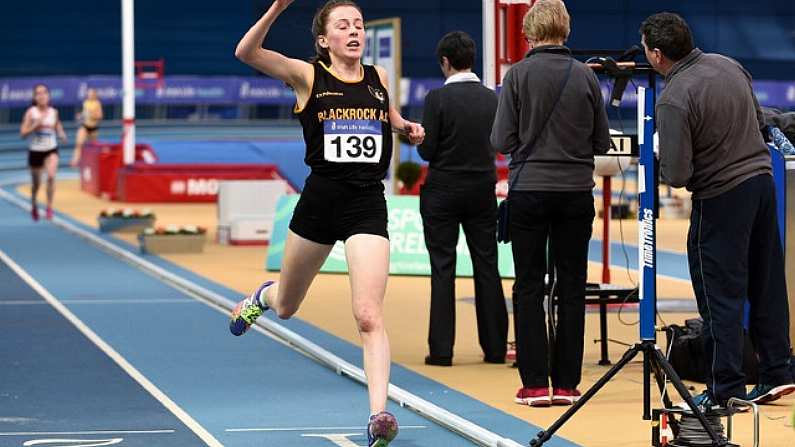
(90, 117)
(552, 121)
(347, 117)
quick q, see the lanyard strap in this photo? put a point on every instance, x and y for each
(527, 148)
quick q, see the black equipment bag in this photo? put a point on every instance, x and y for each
(688, 358)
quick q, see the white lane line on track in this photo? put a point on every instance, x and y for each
(239, 430)
(92, 432)
(183, 416)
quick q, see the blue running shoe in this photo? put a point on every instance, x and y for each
(247, 311)
(381, 429)
(762, 393)
(703, 401)
(708, 404)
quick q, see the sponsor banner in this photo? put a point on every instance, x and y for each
(769, 93)
(70, 91)
(19, 92)
(190, 90)
(264, 91)
(407, 256)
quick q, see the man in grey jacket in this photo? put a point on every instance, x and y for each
(710, 124)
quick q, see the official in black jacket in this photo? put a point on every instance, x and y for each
(460, 191)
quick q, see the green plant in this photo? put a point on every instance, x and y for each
(126, 213)
(409, 172)
(175, 230)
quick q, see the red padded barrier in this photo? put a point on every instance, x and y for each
(501, 187)
(100, 162)
(184, 182)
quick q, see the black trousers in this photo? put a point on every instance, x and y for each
(474, 207)
(563, 221)
(735, 253)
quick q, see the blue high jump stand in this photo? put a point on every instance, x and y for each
(654, 361)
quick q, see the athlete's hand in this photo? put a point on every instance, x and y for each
(282, 4)
(36, 124)
(415, 132)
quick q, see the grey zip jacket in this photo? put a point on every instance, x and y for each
(562, 156)
(709, 123)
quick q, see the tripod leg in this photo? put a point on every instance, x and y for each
(646, 385)
(662, 362)
(659, 376)
(605, 360)
(545, 435)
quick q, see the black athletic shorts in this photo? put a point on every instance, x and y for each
(90, 129)
(36, 158)
(331, 210)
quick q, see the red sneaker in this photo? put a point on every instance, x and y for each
(34, 213)
(49, 213)
(510, 354)
(564, 396)
(381, 429)
(534, 397)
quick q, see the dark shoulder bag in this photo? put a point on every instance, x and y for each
(503, 213)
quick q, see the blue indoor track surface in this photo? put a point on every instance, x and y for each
(54, 380)
(246, 391)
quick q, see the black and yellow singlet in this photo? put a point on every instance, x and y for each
(346, 127)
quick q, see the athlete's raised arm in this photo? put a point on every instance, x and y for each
(295, 72)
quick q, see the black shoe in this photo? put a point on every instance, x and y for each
(497, 359)
(438, 361)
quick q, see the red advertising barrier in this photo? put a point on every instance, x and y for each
(100, 162)
(501, 187)
(184, 182)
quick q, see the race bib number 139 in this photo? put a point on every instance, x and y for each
(352, 141)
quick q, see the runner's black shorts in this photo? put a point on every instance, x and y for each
(36, 158)
(332, 210)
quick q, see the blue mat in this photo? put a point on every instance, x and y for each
(287, 155)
